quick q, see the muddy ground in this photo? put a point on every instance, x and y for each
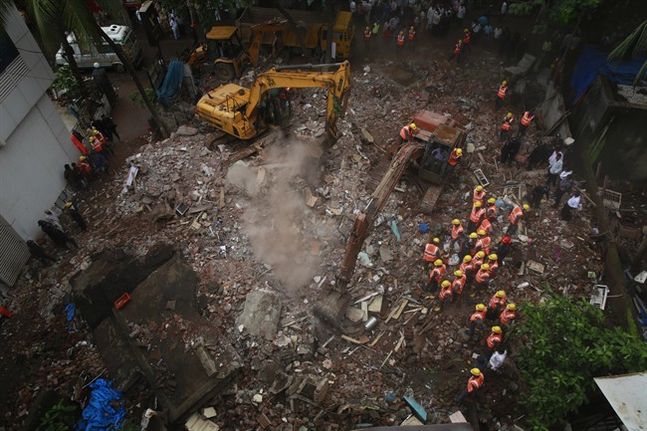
(261, 229)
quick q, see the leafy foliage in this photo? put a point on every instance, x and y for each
(564, 345)
(64, 80)
(558, 12)
(633, 45)
(137, 98)
(60, 417)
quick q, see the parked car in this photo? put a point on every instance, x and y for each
(86, 53)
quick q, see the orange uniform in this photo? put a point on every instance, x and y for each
(454, 156)
(507, 316)
(476, 215)
(431, 252)
(458, 284)
(437, 273)
(483, 244)
(482, 276)
(400, 40)
(526, 119)
(474, 383)
(503, 88)
(515, 215)
(478, 195)
(490, 211)
(497, 303)
(507, 124)
(456, 231)
(445, 293)
(493, 340)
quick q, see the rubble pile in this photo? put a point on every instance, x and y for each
(264, 257)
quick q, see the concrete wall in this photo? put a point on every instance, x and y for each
(36, 141)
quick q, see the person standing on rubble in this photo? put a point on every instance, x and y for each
(493, 261)
(400, 42)
(482, 277)
(411, 37)
(454, 158)
(436, 274)
(565, 186)
(477, 214)
(496, 304)
(478, 195)
(58, 236)
(491, 211)
(474, 383)
(486, 225)
(506, 126)
(484, 241)
(75, 214)
(445, 293)
(476, 319)
(466, 266)
(455, 233)
(468, 246)
(407, 133)
(467, 40)
(555, 166)
(457, 51)
(574, 203)
(367, 40)
(510, 149)
(508, 315)
(432, 252)
(524, 123)
(537, 194)
(494, 340)
(504, 248)
(459, 282)
(500, 95)
(515, 217)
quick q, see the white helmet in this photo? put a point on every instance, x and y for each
(96, 65)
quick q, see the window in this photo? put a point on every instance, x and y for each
(8, 51)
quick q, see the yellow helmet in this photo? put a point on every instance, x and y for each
(445, 283)
(499, 293)
(479, 188)
(505, 82)
(480, 254)
(478, 204)
(496, 329)
(473, 235)
(82, 158)
(456, 222)
(493, 257)
(485, 267)
(491, 201)
(508, 115)
(436, 241)
(475, 372)
(67, 205)
(481, 232)
(438, 262)
(458, 273)
(467, 258)
(413, 126)
(480, 307)
(526, 207)
(459, 152)
(511, 307)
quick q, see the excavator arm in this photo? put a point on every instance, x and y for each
(306, 76)
(364, 220)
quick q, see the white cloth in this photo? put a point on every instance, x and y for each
(553, 157)
(575, 202)
(53, 219)
(497, 359)
(565, 174)
(556, 167)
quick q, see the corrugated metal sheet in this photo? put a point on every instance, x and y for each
(13, 253)
(11, 76)
(627, 394)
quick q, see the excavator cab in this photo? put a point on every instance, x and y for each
(225, 51)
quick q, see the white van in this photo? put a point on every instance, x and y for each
(87, 54)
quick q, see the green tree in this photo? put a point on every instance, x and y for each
(558, 12)
(563, 345)
(634, 45)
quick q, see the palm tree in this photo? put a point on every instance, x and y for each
(633, 46)
(53, 17)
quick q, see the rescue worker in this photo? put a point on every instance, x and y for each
(493, 261)
(456, 231)
(436, 274)
(75, 214)
(515, 217)
(476, 318)
(474, 383)
(411, 37)
(445, 293)
(467, 39)
(431, 251)
(456, 52)
(477, 260)
(484, 241)
(504, 248)
(506, 126)
(458, 284)
(486, 225)
(466, 265)
(478, 194)
(469, 245)
(508, 315)
(367, 39)
(524, 122)
(497, 303)
(477, 214)
(495, 338)
(400, 39)
(84, 167)
(407, 132)
(491, 210)
(482, 276)
(454, 157)
(500, 95)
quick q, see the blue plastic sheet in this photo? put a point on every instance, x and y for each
(593, 62)
(100, 414)
(172, 82)
(70, 311)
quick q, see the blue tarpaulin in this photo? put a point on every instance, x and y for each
(172, 82)
(592, 62)
(102, 413)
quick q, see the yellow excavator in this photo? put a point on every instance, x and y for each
(224, 50)
(245, 112)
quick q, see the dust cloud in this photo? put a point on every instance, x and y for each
(276, 217)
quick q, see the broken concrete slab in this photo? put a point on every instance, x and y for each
(535, 266)
(186, 131)
(197, 423)
(261, 314)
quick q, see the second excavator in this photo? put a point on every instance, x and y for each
(245, 112)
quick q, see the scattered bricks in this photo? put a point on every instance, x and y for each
(321, 391)
(264, 421)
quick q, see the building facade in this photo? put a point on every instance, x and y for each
(34, 142)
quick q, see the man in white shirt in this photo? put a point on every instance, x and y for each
(497, 359)
(555, 166)
(574, 203)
